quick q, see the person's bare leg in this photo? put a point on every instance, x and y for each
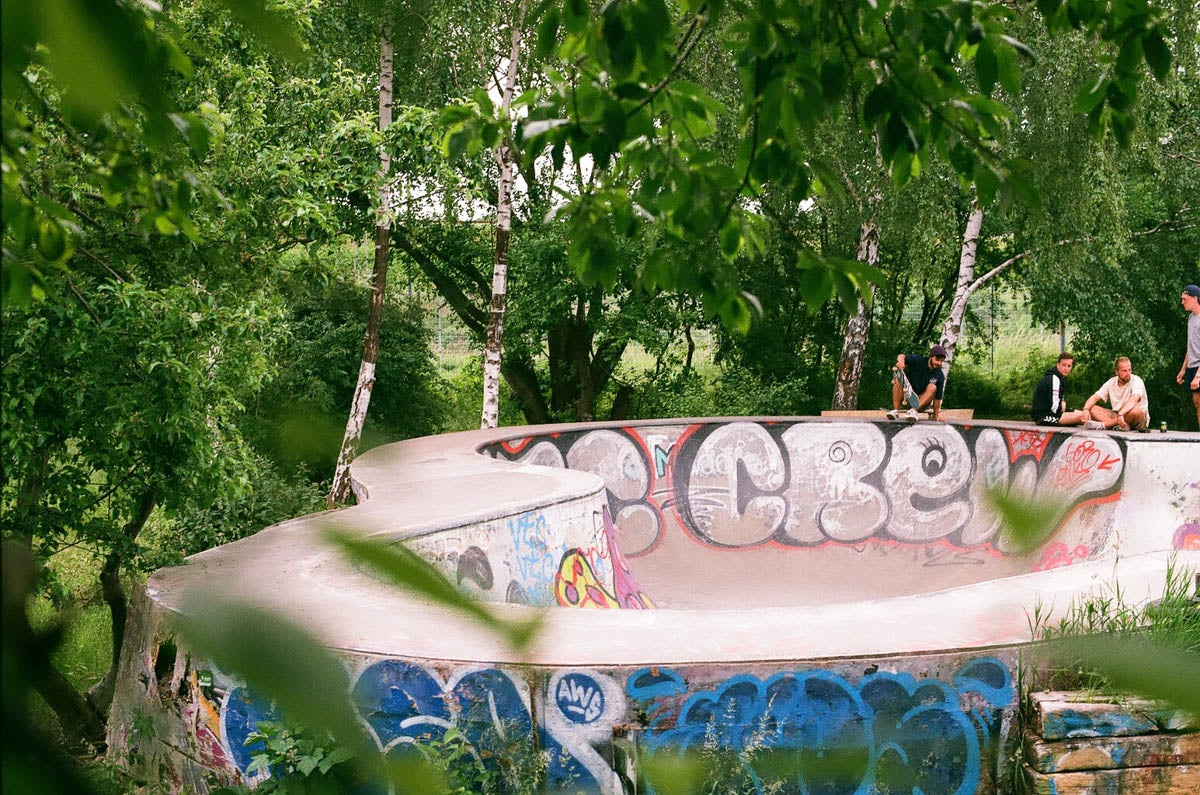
(1136, 419)
(1196, 400)
(1074, 417)
(926, 399)
(1106, 417)
(897, 390)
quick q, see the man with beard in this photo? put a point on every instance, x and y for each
(1126, 394)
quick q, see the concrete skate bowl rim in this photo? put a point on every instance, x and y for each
(290, 569)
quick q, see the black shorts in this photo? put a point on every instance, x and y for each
(1188, 375)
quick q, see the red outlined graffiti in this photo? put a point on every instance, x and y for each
(1027, 443)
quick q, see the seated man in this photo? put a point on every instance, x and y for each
(1126, 393)
(914, 372)
(1049, 396)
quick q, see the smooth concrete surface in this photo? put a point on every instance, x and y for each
(813, 574)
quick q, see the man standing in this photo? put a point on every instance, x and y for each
(1126, 394)
(1049, 396)
(1189, 373)
(914, 372)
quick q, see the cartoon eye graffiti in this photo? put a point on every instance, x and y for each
(933, 460)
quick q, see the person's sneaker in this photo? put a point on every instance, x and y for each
(912, 415)
(1093, 425)
(894, 414)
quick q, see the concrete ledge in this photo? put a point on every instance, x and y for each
(948, 414)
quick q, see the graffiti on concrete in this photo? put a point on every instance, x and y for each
(403, 705)
(889, 733)
(743, 484)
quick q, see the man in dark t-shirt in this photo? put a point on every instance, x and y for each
(918, 382)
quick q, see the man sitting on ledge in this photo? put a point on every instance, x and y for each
(1126, 393)
(1049, 396)
(918, 372)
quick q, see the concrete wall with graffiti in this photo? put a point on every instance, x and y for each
(937, 725)
(789, 500)
(809, 580)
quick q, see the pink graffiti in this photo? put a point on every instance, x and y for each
(629, 592)
(1057, 555)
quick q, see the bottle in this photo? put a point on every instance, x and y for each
(1162, 426)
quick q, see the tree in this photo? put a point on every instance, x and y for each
(492, 350)
(339, 494)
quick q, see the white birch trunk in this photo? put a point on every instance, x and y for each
(504, 158)
(966, 285)
(339, 494)
(858, 330)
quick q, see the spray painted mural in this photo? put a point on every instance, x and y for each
(745, 484)
(793, 730)
(532, 558)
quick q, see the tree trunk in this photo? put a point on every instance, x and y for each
(113, 590)
(504, 157)
(339, 494)
(858, 330)
(965, 286)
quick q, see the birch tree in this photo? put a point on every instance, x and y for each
(339, 494)
(504, 159)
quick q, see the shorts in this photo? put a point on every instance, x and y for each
(910, 397)
(1188, 375)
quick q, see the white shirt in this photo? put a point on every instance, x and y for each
(1120, 397)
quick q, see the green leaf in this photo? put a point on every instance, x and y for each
(986, 66)
(1028, 520)
(731, 238)
(547, 35)
(402, 567)
(1009, 70)
(816, 286)
(846, 292)
(1158, 54)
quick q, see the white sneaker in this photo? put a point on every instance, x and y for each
(1093, 425)
(912, 415)
(894, 414)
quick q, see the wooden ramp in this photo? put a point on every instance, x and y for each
(946, 414)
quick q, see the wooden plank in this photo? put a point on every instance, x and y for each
(1182, 780)
(1111, 753)
(948, 414)
(1064, 715)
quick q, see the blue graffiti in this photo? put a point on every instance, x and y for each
(400, 700)
(889, 734)
(243, 712)
(580, 698)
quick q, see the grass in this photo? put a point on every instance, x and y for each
(1170, 622)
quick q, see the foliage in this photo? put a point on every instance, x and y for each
(297, 418)
(615, 97)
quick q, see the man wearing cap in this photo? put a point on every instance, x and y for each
(1050, 399)
(1189, 372)
(1126, 394)
(914, 372)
